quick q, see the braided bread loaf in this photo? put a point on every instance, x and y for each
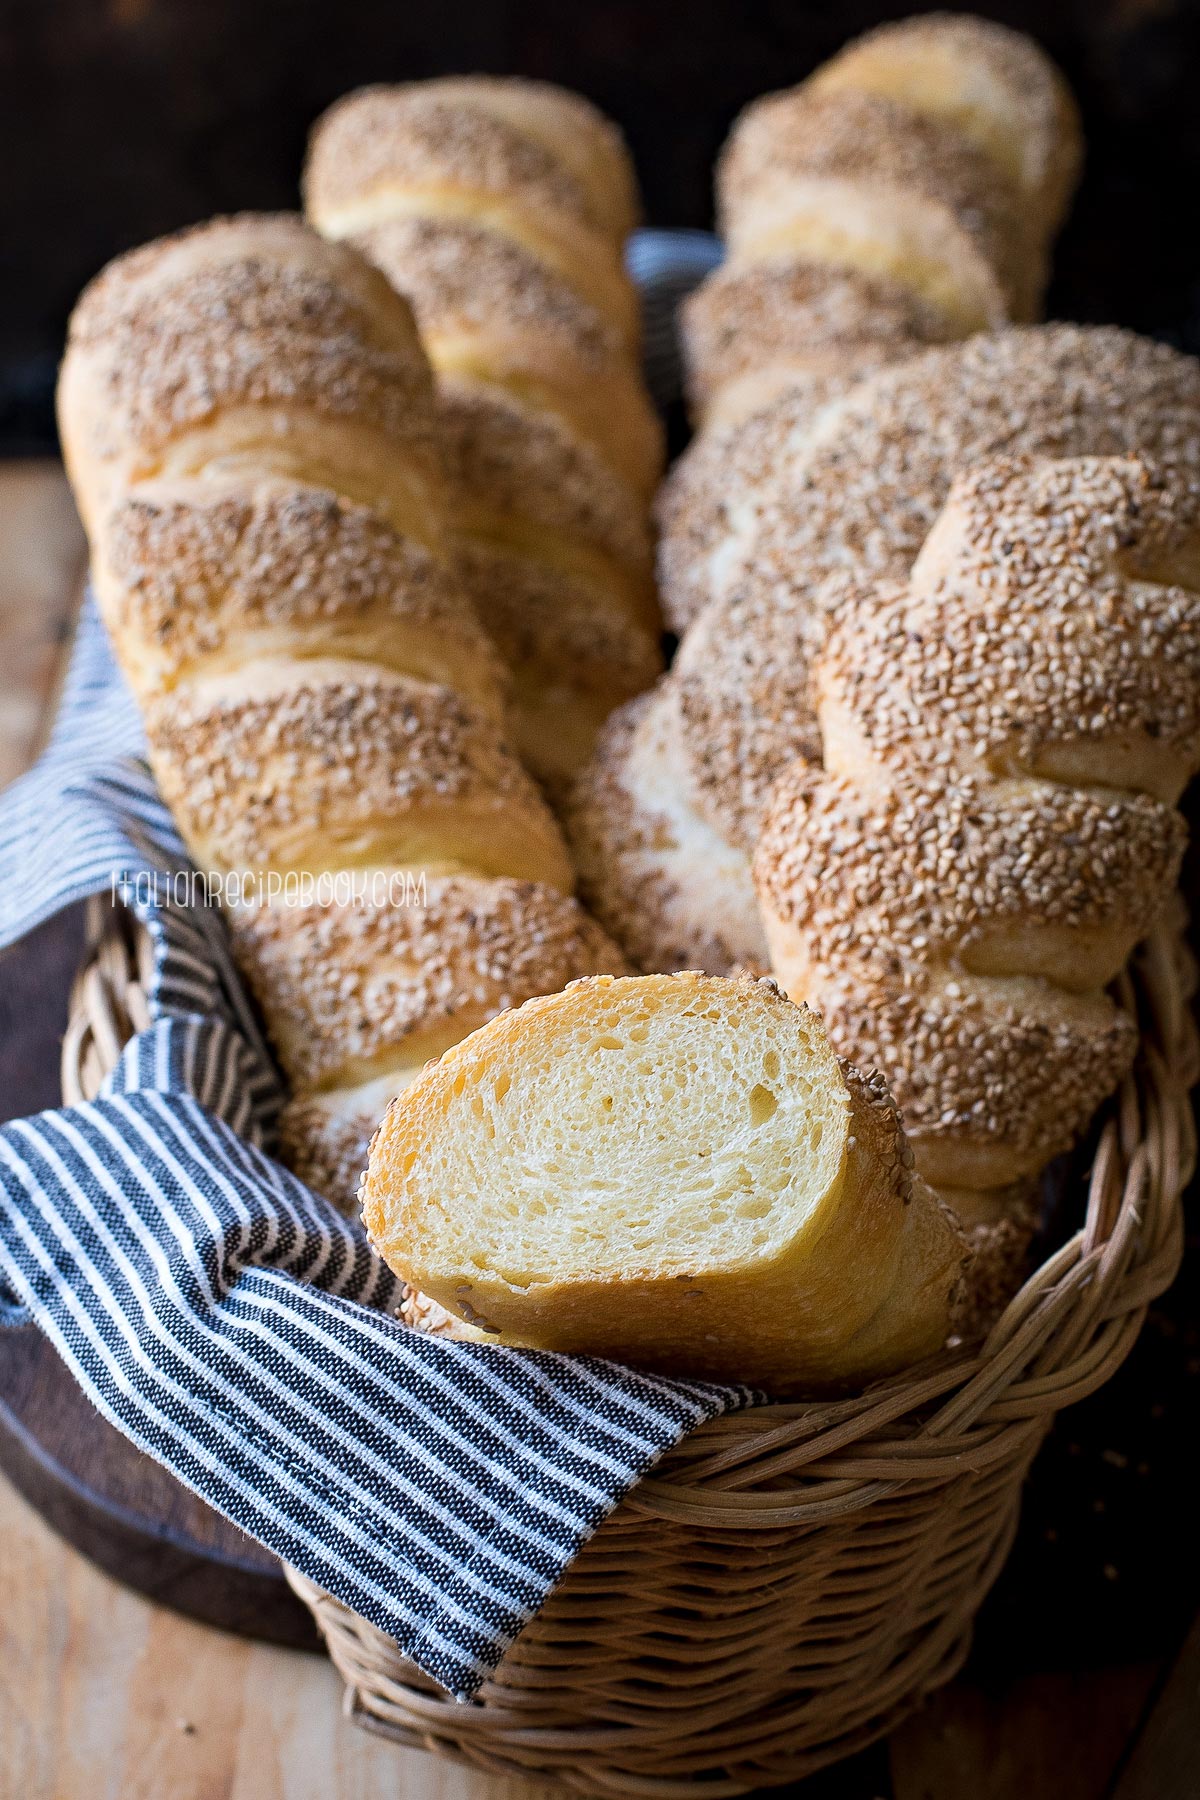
(905, 194)
(249, 425)
(1005, 737)
(500, 209)
(856, 491)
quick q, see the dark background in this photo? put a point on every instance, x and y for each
(124, 118)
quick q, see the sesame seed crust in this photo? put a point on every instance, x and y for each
(801, 131)
(861, 495)
(248, 312)
(879, 467)
(823, 323)
(464, 280)
(286, 778)
(876, 1130)
(849, 137)
(1047, 610)
(992, 833)
(573, 656)
(192, 571)
(431, 133)
(342, 986)
(328, 1153)
(542, 620)
(360, 299)
(424, 1314)
(318, 692)
(932, 871)
(500, 207)
(943, 64)
(989, 1083)
(708, 507)
(671, 894)
(517, 461)
(491, 313)
(558, 122)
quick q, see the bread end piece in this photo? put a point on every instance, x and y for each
(672, 1171)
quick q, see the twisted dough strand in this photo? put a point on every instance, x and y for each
(1005, 736)
(902, 197)
(905, 194)
(856, 494)
(500, 209)
(250, 427)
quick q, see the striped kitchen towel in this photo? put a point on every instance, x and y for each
(230, 1322)
(666, 266)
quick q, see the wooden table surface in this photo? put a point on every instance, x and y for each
(105, 1696)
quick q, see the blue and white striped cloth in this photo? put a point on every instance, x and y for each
(229, 1321)
(666, 266)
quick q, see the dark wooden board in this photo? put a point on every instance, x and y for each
(1163, 1763)
(115, 1505)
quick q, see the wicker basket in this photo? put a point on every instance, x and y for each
(790, 1581)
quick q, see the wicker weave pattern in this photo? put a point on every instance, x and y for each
(791, 1580)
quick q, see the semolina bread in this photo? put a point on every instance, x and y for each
(356, 999)
(673, 1171)
(267, 476)
(499, 209)
(667, 886)
(994, 85)
(1004, 737)
(906, 194)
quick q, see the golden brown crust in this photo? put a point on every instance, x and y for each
(1016, 876)
(862, 494)
(994, 85)
(414, 136)
(803, 149)
(989, 838)
(468, 284)
(801, 131)
(878, 473)
(572, 656)
(491, 312)
(1052, 620)
(501, 208)
(993, 1080)
(489, 135)
(808, 321)
(522, 159)
(342, 988)
(341, 293)
(510, 463)
(252, 315)
(320, 697)
(999, 1234)
(669, 890)
(577, 133)
(733, 771)
(197, 576)
(341, 765)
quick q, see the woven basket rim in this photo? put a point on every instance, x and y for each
(796, 1463)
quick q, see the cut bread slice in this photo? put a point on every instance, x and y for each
(673, 1171)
